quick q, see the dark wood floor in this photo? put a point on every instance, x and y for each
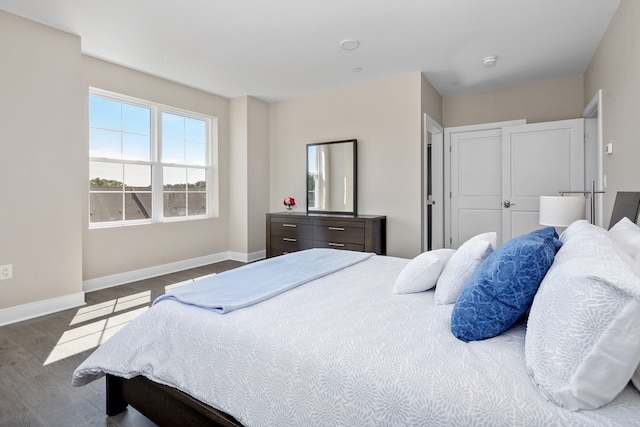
(36, 362)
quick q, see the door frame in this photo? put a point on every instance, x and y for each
(594, 153)
(448, 132)
(432, 136)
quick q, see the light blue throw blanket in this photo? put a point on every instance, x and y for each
(262, 280)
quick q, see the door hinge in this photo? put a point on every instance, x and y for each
(450, 195)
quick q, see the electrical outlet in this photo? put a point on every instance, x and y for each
(6, 271)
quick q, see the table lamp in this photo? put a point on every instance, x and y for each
(560, 211)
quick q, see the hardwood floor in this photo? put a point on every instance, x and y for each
(38, 357)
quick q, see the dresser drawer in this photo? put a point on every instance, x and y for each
(336, 245)
(291, 232)
(285, 245)
(338, 233)
(339, 222)
(296, 228)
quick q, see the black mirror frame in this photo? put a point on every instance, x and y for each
(355, 178)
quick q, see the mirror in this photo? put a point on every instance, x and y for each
(331, 177)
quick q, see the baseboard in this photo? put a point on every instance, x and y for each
(250, 257)
(22, 312)
(146, 273)
(41, 308)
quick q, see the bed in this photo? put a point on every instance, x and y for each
(346, 349)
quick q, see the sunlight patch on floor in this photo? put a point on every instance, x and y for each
(91, 332)
(91, 335)
(106, 308)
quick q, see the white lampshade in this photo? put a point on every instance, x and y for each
(559, 211)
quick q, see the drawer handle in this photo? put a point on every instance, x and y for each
(336, 245)
(336, 228)
(289, 225)
(286, 239)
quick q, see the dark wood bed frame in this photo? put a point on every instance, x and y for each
(167, 406)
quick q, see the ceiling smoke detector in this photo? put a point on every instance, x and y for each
(349, 44)
(490, 61)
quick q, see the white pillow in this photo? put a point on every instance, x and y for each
(635, 379)
(633, 263)
(626, 235)
(422, 272)
(575, 228)
(461, 266)
(583, 341)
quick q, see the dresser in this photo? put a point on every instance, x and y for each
(290, 232)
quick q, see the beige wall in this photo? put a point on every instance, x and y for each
(615, 68)
(238, 199)
(43, 152)
(385, 118)
(42, 162)
(249, 175)
(550, 100)
(258, 174)
(110, 251)
(431, 100)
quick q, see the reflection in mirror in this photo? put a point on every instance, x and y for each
(331, 177)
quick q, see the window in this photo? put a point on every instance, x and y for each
(147, 162)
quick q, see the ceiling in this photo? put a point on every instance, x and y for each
(281, 49)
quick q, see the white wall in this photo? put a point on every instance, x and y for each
(42, 164)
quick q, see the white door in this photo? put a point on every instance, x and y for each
(476, 184)
(498, 175)
(538, 159)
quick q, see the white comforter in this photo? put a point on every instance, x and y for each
(342, 350)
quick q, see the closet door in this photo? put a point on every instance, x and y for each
(498, 175)
(476, 183)
(538, 159)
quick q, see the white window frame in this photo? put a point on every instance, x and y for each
(157, 185)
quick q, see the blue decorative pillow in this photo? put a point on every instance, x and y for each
(502, 288)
